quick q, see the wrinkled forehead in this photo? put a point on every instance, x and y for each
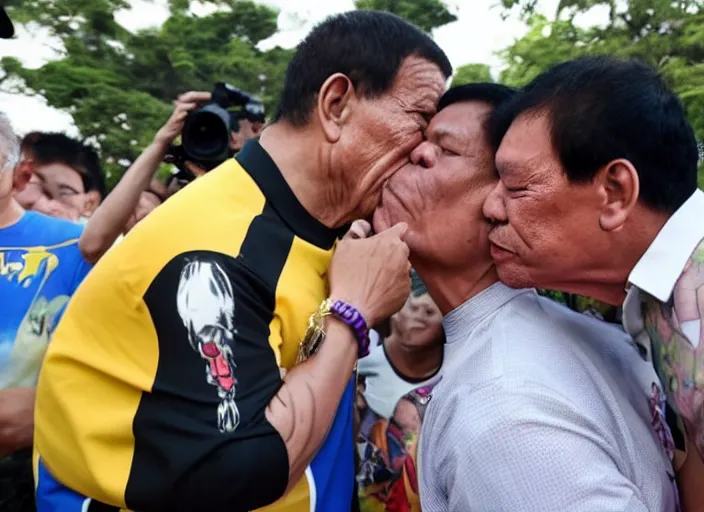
(419, 82)
(527, 143)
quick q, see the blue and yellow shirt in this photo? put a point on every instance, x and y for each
(40, 268)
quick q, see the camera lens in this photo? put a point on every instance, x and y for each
(206, 134)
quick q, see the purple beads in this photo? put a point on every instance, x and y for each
(354, 319)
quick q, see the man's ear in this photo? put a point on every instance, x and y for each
(91, 204)
(21, 175)
(334, 99)
(620, 189)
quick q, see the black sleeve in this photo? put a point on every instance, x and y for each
(202, 440)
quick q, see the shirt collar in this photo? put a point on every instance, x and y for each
(462, 320)
(265, 173)
(658, 270)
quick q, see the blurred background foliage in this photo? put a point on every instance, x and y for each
(118, 85)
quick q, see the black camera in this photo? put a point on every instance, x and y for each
(206, 132)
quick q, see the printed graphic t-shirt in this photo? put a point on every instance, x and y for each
(40, 268)
(156, 400)
(390, 412)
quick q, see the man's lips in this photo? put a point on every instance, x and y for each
(416, 326)
(499, 253)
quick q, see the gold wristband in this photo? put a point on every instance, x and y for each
(315, 333)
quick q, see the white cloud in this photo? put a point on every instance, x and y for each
(476, 37)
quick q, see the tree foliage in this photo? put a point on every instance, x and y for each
(426, 14)
(667, 35)
(470, 73)
(119, 85)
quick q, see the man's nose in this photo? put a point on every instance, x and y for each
(425, 154)
(494, 206)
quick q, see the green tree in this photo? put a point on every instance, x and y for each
(470, 73)
(667, 35)
(426, 14)
(118, 85)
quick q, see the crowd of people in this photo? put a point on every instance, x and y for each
(375, 305)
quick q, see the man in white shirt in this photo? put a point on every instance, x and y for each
(539, 408)
(598, 196)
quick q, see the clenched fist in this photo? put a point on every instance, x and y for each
(372, 274)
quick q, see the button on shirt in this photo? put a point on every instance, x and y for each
(541, 409)
(663, 312)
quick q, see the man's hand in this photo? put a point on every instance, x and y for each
(182, 107)
(16, 419)
(372, 274)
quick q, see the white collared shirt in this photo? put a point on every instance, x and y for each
(541, 409)
(663, 312)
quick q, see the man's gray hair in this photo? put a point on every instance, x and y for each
(9, 145)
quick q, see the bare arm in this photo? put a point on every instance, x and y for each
(304, 407)
(16, 419)
(109, 220)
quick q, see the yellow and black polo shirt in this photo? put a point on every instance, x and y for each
(154, 388)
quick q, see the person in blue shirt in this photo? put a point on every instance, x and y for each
(40, 268)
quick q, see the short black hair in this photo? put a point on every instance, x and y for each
(366, 46)
(602, 109)
(486, 92)
(51, 148)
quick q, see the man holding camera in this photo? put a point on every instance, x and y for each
(115, 215)
(169, 394)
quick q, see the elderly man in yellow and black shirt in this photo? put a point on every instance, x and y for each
(162, 387)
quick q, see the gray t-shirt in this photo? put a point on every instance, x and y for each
(541, 409)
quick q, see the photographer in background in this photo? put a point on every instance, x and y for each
(109, 221)
(251, 123)
(138, 193)
(214, 133)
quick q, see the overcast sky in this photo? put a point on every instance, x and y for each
(476, 37)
